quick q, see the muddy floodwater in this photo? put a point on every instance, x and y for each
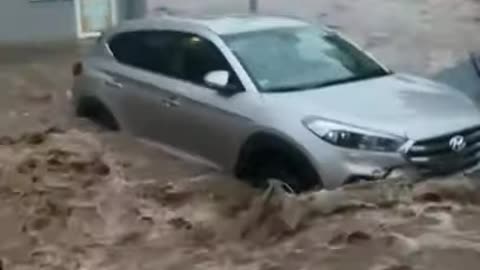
(75, 197)
(67, 203)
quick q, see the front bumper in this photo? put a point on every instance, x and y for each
(356, 166)
(421, 159)
(339, 166)
(350, 166)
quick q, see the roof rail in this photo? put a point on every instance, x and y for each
(167, 11)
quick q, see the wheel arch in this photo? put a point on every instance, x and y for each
(266, 140)
(88, 106)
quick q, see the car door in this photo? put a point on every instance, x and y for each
(142, 75)
(205, 121)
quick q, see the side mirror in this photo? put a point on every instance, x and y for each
(217, 79)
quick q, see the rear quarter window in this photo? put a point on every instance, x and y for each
(148, 50)
(125, 48)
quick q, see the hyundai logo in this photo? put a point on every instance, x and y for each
(457, 143)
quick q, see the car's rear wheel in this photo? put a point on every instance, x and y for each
(97, 113)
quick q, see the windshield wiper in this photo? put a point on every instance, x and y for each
(375, 74)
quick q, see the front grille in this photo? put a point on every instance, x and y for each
(436, 157)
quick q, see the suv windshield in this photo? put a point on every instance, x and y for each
(300, 58)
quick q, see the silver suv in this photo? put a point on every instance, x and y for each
(273, 97)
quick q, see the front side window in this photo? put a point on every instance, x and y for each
(300, 58)
(200, 56)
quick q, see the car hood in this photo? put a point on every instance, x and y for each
(399, 104)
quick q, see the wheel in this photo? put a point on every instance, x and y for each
(105, 119)
(297, 176)
(97, 113)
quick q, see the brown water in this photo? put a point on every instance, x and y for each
(85, 199)
(66, 203)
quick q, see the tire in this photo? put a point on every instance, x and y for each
(105, 119)
(97, 113)
(298, 176)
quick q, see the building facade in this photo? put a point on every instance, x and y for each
(26, 21)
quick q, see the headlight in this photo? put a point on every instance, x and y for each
(354, 137)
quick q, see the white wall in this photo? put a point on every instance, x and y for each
(201, 6)
(23, 21)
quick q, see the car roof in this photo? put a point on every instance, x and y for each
(229, 24)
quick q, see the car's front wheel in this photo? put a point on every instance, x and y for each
(291, 170)
(277, 169)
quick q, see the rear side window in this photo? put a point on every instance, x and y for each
(149, 50)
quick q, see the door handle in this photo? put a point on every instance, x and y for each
(171, 102)
(174, 103)
(113, 83)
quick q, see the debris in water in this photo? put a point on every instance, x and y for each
(180, 223)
